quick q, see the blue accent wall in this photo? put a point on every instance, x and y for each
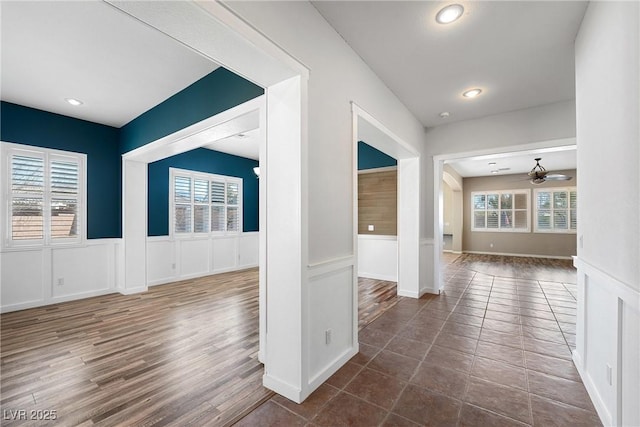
(371, 158)
(216, 92)
(24, 125)
(200, 160)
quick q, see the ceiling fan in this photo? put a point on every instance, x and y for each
(539, 174)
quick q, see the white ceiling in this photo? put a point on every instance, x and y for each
(519, 52)
(553, 159)
(245, 144)
(119, 68)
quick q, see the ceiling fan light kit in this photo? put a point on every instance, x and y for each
(539, 174)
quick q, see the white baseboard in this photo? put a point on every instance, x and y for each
(410, 294)
(596, 398)
(320, 378)
(55, 300)
(131, 291)
(375, 276)
(282, 388)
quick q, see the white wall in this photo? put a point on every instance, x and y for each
(36, 277)
(608, 138)
(378, 257)
(544, 123)
(328, 210)
(170, 260)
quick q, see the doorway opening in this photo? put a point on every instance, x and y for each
(484, 165)
(386, 230)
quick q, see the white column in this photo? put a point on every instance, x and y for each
(409, 227)
(134, 226)
(284, 356)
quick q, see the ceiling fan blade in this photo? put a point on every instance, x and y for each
(557, 177)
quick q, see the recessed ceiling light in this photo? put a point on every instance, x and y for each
(492, 163)
(444, 114)
(495, 171)
(472, 93)
(73, 101)
(450, 13)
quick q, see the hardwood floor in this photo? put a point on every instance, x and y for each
(375, 297)
(180, 354)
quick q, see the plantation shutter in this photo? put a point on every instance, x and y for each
(65, 183)
(27, 197)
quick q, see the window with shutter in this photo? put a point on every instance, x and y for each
(503, 211)
(205, 203)
(45, 195)
(556, 210)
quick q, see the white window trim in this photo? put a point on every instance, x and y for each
(526, 192)
(173, 172)
(535, 211)
(7, 149)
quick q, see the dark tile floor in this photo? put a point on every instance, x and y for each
(492, 350)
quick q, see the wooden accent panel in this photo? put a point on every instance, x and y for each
(378, 202)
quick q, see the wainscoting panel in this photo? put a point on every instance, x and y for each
(248, 250)
(331, 306)
(77, 271)
(170, 260)
(161, 260)
(378, 257)
(22, 279)
(224, 253)
(33, 278)
(608, 344)
(193, 257)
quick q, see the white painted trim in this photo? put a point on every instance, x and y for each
(131, 291)
(626, 298)
(358, 111)
(408, 167)
(517, 255)
(176, 246)
(240, 26)
(377, 170)
(42, 259)
(624, 290)
(98, 242)
(596, 398)
(354, 221)
(377, 237)
(241, 118)
(410, 294)
(541, 147)
(285, 389)
(317, 380)
(377, 276)
(328, 266)
(55, 300)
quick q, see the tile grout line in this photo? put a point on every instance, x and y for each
(429, 348)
